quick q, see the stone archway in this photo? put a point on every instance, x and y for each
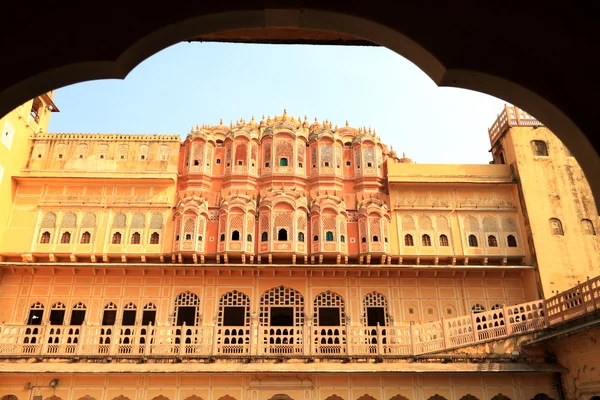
(280, 397)
(445, 54)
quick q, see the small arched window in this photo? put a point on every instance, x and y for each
(188, 236)
(556, 227)
(363, 240)
(426, 240)
(343, 239)
(329, 236)
(492, 241)
(283, 162)
(264, 237)
(136, 238)
(249, 237)
(444, 240)
(408, 240)
(511, 241)
(539, 148)
(45, 238)
(222, 237)
(65, 238)
(85, 238)
(154, 238)
(587, 227)
(301, 237)
(477, 308)
(282, 235)
(473, 241)
(376, 238)
(235, 235)
(315, 238)
(200, 238)
(116, 238)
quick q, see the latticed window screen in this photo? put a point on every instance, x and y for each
(241, 152)
(130, 306)
(187, 299)
(490, 224)
(385, 224)
(369, 156)
(201, 225)
(442, 223)
(189, 226)
(122, 152)
(301, 151)
(177, 230)
(102, 151)
(329, 299)
(343, 227)
(234, 299)
(281, 296)
(264, 223)
(138, 221)
(315, 228)
(362, 229)
(338, 155)
(408, 223)
(375, 227)
(156, 221)
(254, 152)
(228, 154)
(163, 152)
(119, 221)
(282, 221)
(375, 299)
(81, 150)
(143, 152)
(69, 220)
(223, 225)
(49, 220)
(313, 156)
(357, 157)
(284, 149)
(425, 223)
(267, 152)
(509, 224)
(250, 224)
(89, 220)
(198, 153)
(236, 223)
(327, 155)
(329, 225)
(150, 306)
(471, 224)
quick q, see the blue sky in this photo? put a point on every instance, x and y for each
(194, 83)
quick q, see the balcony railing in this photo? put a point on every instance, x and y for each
(510, 116)
(87, 341)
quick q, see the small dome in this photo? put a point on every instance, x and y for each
(405, 160)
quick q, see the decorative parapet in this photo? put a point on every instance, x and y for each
(510, 116)
(107, 136)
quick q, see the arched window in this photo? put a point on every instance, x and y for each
(375, 310)
(234, 309)
(36, 313)
(154, 238)
(235, 235)
(264, 237)
(78, 314)
(477, 308)
(283, 162)
(329, 236)
(511, 241)
(408, 240)
(57, 313)
(45, 238)
(222, 237)
(588, 227)
(426, 240)
(329, 310)
(282, 235)
(376, 238)
(188, 236)
(249, 237)
(315, 238)
(200, 238)
(135, 238)
(116, 238)
(187, 309)
(473, 241)
(301, 237)
(556, 227)
(444, 240)
(85, 238)
(363, 240)
(539, 148)
(343, 239)
(492, 241)
(65, 238)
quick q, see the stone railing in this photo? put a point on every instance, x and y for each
(510, 116)
(87, 341)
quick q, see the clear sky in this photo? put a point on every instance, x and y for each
(194, 83)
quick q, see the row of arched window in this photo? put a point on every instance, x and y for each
(85, 238)
(499, 396)
(556, 227)
(492, 241)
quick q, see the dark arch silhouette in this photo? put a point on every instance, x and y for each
(437, 397)
(280, 397)
(399, 397)
(468, 397)
(334, 397)
(366, 397)
(448, 56)
(541, 396)
(500, 396)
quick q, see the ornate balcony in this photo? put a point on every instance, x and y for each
(89, 341)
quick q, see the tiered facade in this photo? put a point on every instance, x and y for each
(307, 260)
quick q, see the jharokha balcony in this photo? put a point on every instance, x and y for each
(305, 341)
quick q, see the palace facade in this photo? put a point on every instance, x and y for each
(288, 259)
